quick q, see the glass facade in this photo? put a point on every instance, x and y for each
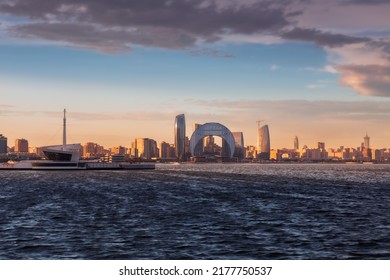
(264, 147)
(180, 136)
(240, 148)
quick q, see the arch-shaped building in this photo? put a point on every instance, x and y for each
(212, 129)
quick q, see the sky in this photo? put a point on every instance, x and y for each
(319, 70)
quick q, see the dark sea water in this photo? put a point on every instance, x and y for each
(201, 211)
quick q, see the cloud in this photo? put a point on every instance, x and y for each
(367, 2)
(107, 40)
(211, 53)
(327, 69)
(315, 86)
(323, 39)
(116, 26)
(170, 24)
(373, 80)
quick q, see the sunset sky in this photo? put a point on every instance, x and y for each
(124, 69)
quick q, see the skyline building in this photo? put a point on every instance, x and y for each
(321, 145)
(119, 150)
(164, 149)
(366, 141)
(146, 148)
(263, 140)
(3, 144)
(239, 152)
(21, 146)
(180, 136)
(296, 143)
(89, 149)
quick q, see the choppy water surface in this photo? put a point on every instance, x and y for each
(198, 211)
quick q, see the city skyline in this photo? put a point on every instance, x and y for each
(258, 130)
(317, 70)
(263, 143)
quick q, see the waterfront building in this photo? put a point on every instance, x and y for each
(118, 150)
(239, 151)
(167, 151)
(93, 150)
(133, 152)
(208, 130)
(187, 147)
(263, 143)
(3, 144)
(143, 148)
(251, 152)
(21, 146)
(180, 136)
(210, 147)
(146, 148)
(296, 143)
(321, 148)
(284, 154)
(366, 141)
(164, 150)
(365, 148)
(89, 150)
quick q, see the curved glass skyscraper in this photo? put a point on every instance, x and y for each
(180, 136)
(296, 143)
(264, 147)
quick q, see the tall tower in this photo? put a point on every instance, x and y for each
(264, 145)
(180, 136)
(64, 132)
(239, 152)
(296, 143)
(366, 141)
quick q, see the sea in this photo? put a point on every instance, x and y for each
(198, 211)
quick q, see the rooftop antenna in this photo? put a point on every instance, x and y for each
(64, 132)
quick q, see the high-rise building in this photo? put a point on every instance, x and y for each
(21, 146)
(3, 144)
(164, 150)
(239, 152)
(143, 148)
(146, 148)
(322, 151)
(367, 153)
(366, 141)
(296, 143)
(263, 143)
(180, 136)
